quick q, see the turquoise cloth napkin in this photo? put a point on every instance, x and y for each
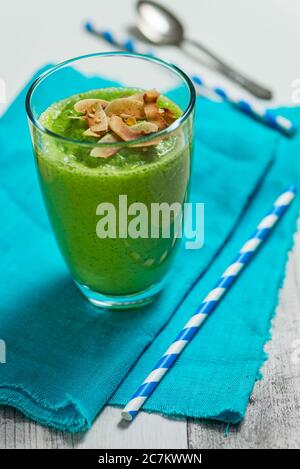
(65, 360)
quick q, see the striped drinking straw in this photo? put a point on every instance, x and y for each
(256, 111)
(208, 305)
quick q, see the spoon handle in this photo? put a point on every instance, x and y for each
(254, 88)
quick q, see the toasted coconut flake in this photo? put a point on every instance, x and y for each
(85, 104)
(128, 119)
(90, 133)
(143, 145)
(98, 122)
(138, 97)
(150, 127)
(99, 152)
(151, 109)
(127, 133)
(151, 96)
(145, 127)
(162, 117)
(169, 117)
(154, 115)
(128, 106)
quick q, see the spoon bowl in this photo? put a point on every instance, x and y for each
(161, 27)
(158, 24)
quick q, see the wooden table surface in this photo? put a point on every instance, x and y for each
(273, 414)
(272, 419)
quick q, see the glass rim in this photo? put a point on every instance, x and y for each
(175, 125)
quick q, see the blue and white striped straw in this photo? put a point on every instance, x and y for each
(208, 305)
(254, 110)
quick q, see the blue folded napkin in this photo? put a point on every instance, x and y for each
(65, 360)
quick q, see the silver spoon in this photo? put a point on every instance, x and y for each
(161, 27)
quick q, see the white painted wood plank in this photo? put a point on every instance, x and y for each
(149, 431)
(273, 415)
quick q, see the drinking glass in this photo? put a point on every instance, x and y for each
(116, 220)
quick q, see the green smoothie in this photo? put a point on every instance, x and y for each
(74, 183)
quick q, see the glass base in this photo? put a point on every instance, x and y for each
(135, 300)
